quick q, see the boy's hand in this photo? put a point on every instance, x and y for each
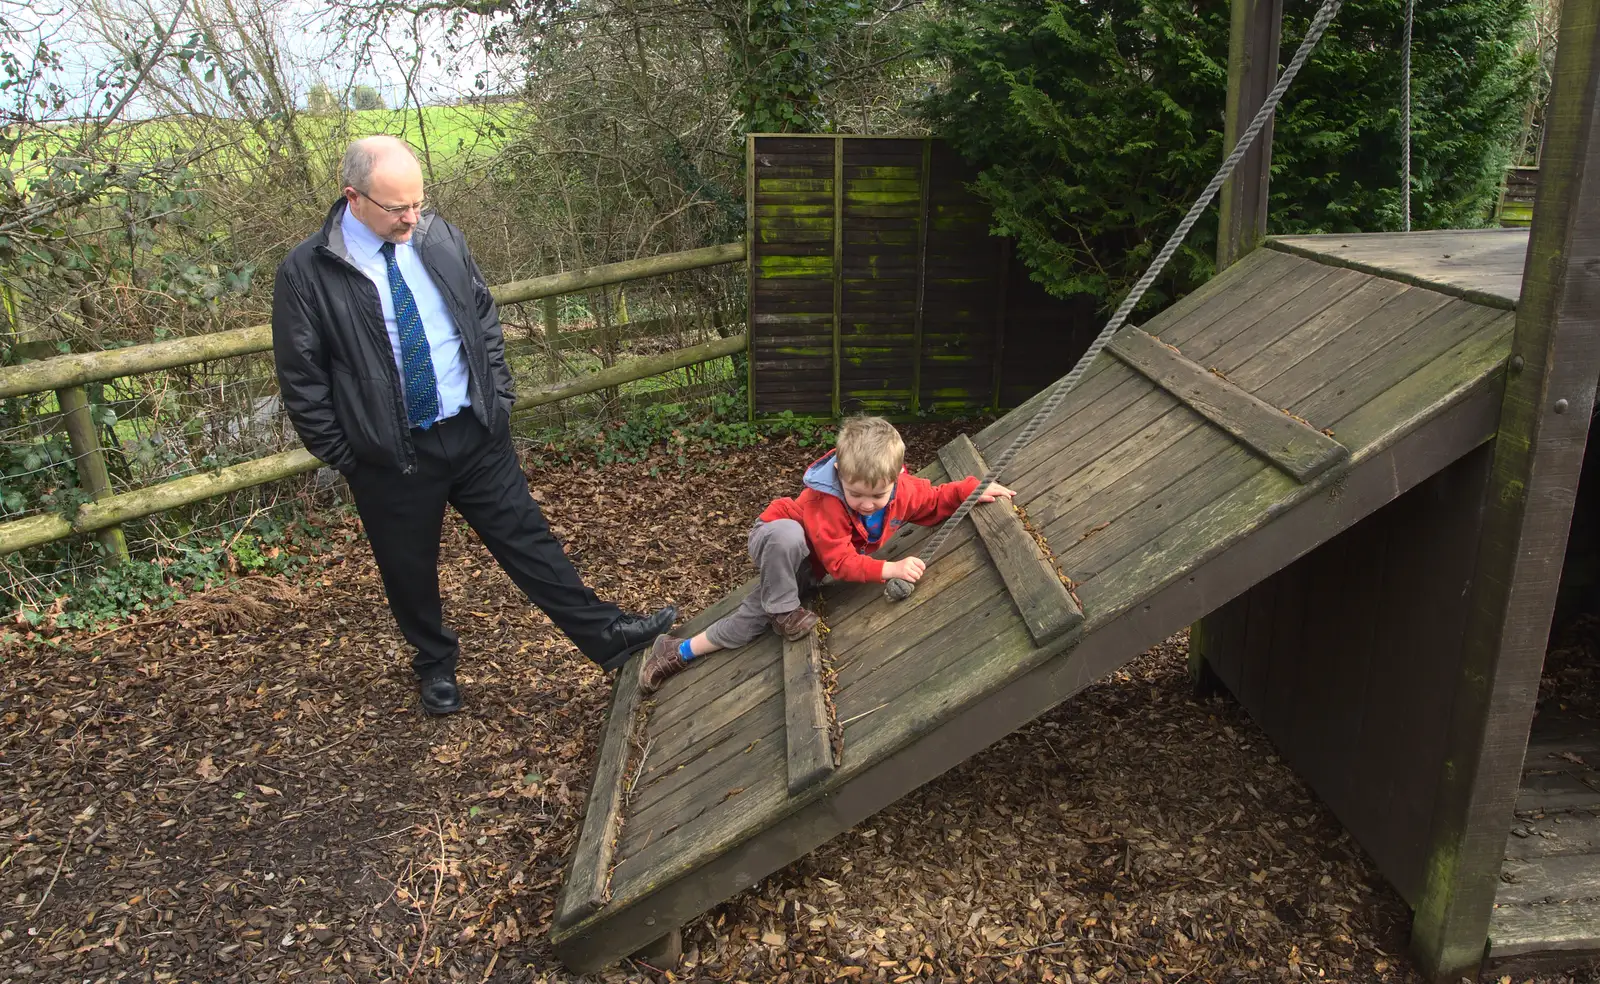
(909, 569)
(995, 491)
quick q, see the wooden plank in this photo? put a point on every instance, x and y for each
(838, 267)
(922, 272)
(1035, 586)
(897, 657)
(808, 731)
(1544, 423)
(1559, 878)
(741, 848)
(1479, 265)
(1413, 583)
(1552, 835)
(1000, 320)
(587, 885)
(1141, 509)
(1547, 791)
(1252, 72)
(1570, 931)
(1287, 443)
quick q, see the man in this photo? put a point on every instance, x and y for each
(392, 368)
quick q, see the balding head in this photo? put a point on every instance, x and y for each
(370, 154)
(381, 179)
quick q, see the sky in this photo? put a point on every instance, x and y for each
(308, 36)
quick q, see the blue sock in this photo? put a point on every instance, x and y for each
(685, 651)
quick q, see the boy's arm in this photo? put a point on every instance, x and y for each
(927, 504)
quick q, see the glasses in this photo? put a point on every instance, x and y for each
(393, 209)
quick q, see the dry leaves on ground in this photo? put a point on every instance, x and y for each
(245, 790)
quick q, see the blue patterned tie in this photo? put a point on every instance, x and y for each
(422, 389)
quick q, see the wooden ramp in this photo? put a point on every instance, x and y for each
(1288, 398)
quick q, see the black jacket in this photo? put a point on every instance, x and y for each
(336, 368)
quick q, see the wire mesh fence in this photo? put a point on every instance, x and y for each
(162, 426)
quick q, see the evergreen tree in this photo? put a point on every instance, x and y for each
(1096, 123)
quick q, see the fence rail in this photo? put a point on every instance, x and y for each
(67, 374)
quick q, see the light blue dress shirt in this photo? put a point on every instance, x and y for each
(449, 362)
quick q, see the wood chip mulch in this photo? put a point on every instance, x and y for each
(245, 790)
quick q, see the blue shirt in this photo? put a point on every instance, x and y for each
(874, 524)
(363, 247)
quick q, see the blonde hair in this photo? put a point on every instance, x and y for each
(869, 450)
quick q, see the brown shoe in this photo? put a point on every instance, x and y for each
(664, 661)
(796, 624)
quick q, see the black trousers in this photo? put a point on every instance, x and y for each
(461, 463)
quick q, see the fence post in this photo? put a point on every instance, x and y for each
(92, 474)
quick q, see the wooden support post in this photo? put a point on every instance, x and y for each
(1253, 39)
(1538, 451)
(1252, 72)
(838, 268)
(922, 276)
(92, 474)
(552, 346)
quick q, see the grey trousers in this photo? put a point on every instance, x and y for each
(783, 562)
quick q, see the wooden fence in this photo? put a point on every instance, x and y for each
(67, 375)
(875, 284)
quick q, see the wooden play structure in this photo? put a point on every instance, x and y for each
(1350, 459)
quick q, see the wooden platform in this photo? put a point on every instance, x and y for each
(1282, 402)
(1548, 904)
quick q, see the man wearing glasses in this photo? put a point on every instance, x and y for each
(392, 369)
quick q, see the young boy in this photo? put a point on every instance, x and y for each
(856, 498)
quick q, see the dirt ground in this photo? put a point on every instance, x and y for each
(244, 789)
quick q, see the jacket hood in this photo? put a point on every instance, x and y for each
(823, 476)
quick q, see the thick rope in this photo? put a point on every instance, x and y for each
(1405, 121)
(898, 589)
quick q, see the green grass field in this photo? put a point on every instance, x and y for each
(446, 133)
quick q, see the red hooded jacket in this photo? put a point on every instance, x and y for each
(835, 533)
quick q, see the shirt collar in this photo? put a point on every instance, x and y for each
(360, 241)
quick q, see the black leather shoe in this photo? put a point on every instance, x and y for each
(440, 695)
(631, 633)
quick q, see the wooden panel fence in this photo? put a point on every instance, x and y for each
(875, 284)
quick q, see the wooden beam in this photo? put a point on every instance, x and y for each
(631, 371)
(1252, 72)
(1294, 447)
(19, 534)
(588, 882)
(808, 725)
(88, 367)
(587, 278)
(1544, 424)
(92, 516)
(1031, 578)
